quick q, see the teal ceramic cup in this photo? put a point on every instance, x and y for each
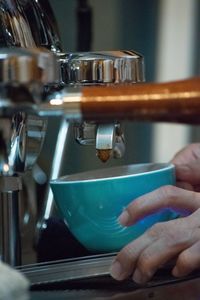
(91, 202)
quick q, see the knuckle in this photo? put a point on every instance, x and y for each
(127, 255)
(168, 192)
(144, 263)
(155, 231)
(164, 231)
(133, 208)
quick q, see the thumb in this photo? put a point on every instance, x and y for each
(188, 172)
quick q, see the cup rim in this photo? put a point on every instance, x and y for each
(162, 167)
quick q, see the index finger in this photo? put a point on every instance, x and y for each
(173, 197)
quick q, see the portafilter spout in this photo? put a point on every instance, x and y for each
(102, 68)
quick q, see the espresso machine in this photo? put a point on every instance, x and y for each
(36, 78)
(91, 91)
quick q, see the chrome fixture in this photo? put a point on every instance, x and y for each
(23, 75)
(102, 68)
(24, 24)
(28, 23)
(109, 141)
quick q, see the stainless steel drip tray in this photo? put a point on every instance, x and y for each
(87, 278)
(67, 271)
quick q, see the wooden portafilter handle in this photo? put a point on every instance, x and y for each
(177, 101)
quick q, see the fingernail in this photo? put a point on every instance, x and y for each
(124, 218)
(116, 270)
(137, 276)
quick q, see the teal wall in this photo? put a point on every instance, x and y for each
(117, 24)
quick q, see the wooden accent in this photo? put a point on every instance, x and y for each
(177, 101)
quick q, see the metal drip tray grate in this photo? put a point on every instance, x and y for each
(88, 278)
(69, 270)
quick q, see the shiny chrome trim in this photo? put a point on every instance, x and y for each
(26, 66)
(69, 269)
(28, 23)
(103, 67)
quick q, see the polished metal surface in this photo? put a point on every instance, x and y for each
(27, 29)
(26, 141)
(63, 103)
(23, 74)
(107, 136)
(67, 270)
(61, 144)
(88, 278)
(28, 23)
(26, 66)
(85, 133)
(95, 267)
(109, 141)
(10, 242)
(103, 67)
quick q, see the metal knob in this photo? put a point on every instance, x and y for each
(104, 67)
(19, 65)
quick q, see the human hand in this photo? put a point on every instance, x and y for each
(179, 238)
(163, 242)
(187, 163)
